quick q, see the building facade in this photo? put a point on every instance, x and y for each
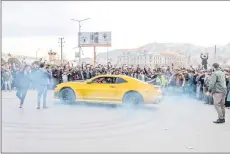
(21, 58)
(51, 59)
(153, 60)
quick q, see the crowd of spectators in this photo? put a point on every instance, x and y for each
(191, 81)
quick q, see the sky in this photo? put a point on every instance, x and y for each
(31, 25)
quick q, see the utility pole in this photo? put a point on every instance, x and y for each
(79, 42)
(79, 36)
(215, 53)
(37, 54)
(61, 45)
(107, 55)
(94, 56)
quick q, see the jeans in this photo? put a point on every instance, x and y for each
(42, 91)
(21, 94)
(228, 97)
(7, 85)
(198, 91)
(2, 85)
(208, 99)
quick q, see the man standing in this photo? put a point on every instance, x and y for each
(7, 79)
(217, 86)
(227, 103)
(207, 98)
(42, 81)
(23, 79)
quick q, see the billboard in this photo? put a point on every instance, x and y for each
(97, 39)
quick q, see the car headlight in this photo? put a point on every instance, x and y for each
(56, 88)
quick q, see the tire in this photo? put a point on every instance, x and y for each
(67, 95)
(132, 98)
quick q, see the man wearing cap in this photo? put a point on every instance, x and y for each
(217, 86)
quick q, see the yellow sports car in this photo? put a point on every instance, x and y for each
(109, 89)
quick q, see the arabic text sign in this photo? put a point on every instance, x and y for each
(90, 39)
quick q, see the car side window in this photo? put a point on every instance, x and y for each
(120, 80)
(105, 80)
(98, 80)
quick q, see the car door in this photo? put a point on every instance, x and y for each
(100, 91)
(122, 87)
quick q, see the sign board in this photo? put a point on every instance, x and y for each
(97, 39)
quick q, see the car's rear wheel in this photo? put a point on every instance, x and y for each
(67, 95)
(132, 98)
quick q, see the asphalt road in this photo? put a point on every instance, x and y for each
(179, 124)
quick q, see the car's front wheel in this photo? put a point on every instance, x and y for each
(132, 98)
(67, 95)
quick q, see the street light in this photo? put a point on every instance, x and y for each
(80, 20)
(79, 45)
(37, 54)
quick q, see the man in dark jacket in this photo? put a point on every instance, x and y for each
(227, 104)
(23, 80)
(42, 81)
(33, 74)
(217, 86)
(207, 98)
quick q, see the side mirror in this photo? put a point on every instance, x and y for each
(89, 82)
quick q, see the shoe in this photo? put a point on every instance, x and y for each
(38, 108)
(219, 121)
(45, 107)
(20, 105)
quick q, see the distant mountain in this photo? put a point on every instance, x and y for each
(112, 56)
(222, 52)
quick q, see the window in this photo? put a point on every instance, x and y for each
(105, 80)
(150, 57)
(120, 80)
